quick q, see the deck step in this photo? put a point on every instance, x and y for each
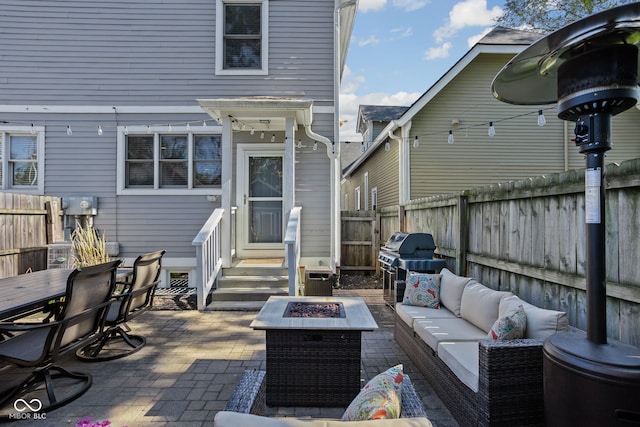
(235, 306)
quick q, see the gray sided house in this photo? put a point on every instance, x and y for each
(454, 151)
(162, 112)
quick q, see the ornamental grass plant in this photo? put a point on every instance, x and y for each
(89, 247)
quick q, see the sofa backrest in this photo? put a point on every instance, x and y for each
(541, 322)
(451, 288)
(480, 304)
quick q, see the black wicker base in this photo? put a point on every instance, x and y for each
(312, 368)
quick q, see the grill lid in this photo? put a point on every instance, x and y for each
(415, 244)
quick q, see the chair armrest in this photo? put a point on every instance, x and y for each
(411, 404)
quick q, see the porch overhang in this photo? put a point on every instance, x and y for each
(260, 113)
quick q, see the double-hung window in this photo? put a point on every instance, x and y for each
(22, 159)
(241, 36)
(170, 163)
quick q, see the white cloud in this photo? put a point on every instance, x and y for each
(350, 102)
(371, 40)
(367, 5)
(350, 81)
(467, 13)
(438, 52)
(471, 41)
(400, 33)
(410, 5)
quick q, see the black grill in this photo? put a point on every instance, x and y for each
(405, 252)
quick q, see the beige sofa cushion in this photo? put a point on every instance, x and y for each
(480, 305)
(462, 358)
(434, 331)
(541, 322)
(451, 288)
(234, 419)
(410, 313)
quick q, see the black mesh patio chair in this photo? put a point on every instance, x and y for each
(132, 298)
(80, 319)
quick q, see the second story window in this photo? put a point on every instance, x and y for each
(21, 160)
(241, 36)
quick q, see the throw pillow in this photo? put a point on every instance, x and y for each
(422, 290)
(510, 326)
(379, 399)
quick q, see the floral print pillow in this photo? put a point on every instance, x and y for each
(379, 399)
(511, 326)
(423, 290)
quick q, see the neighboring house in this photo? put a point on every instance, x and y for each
(372, 119)
(461, 104)
(166, 110)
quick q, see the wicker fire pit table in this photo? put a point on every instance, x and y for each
(313, 349)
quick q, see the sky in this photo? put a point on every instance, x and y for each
(400, 48)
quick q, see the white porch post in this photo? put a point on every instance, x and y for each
(227, 174)
(289, 179)
(404, 156)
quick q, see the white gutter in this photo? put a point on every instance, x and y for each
(319, 138)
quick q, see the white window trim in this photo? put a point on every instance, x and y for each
(121, 159)
(264, 53)
(357, 206)
(346, 202)
(366, 191)
(6, 178)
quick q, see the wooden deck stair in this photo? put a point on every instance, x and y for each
(248, 284)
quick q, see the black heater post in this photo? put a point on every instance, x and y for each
(590, 68)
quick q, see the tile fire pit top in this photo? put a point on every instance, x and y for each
(356, 315)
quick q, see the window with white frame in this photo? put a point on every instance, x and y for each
(357, 199)
(345, 207)
(374, 198)
(22, 159)
(170, 162)
(366, 191)
(242, 28)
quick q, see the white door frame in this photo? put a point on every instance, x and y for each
(244, 249)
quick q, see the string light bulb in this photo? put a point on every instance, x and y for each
(252, 131)
(69, 131)
(170, 128)
(273, 137)
(188, 127)
(362, 147)
(299, 143)
(541, 119)
(33, 129)
(126, 130)
(100, 130)
(262, 135)
(416, 142)
(492, 130)
(204, 123)
(387, 146)
(450, 139)
(315, 146)
(148, 128)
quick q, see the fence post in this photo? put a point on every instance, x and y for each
(463, 236)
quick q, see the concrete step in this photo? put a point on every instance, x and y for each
(247, 294)
(235, 306)
(254, 281)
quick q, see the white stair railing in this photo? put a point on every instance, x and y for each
(208, 257)
(292, 242)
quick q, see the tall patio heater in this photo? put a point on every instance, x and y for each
(590, 68)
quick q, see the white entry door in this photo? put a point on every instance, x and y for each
(260, 200)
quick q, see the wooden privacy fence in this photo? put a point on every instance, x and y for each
(28, 223)
(529, 237)
(360, 242)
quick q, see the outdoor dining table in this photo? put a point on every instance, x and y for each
(26, 292)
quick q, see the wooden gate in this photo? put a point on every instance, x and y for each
(360, 242)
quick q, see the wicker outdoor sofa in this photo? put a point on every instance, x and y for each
(247, 407)
(482, 382)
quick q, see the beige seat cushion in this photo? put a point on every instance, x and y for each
(480, 305)
(462, 358)
(434, 331)
(234, 419)
(451, 288)
(541, 322)
(411, 313)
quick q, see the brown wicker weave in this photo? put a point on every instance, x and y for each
(510, 380)
(312, 368)
(249, 396)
